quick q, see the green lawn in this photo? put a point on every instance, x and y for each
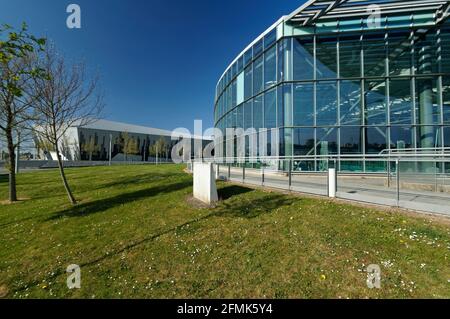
(136, 234)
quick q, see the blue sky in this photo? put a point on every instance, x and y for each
(159, 60)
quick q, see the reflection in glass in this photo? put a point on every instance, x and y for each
(426, 53)
(258, 112)
(248, 115)
(447, 136)
(303, 58)
(270, 67)
(428, 109)
(258, 83)
(401, 137)
(248, 82)
(351, 140)
(374, 54)
(446, 100)
(350, 100)
(350, 56)
(270, 109)
(284, 106)
(375, 97)
(327, 141)
(326, 97)
(376, 140)
(399, 52)
(326, 58)
(401, 105)
(304, 141)
(304, 104)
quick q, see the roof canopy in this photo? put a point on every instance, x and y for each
(318, 10)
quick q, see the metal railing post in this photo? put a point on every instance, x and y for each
(243, 174)
(262, 176)
(436, 169)
(397, 164)
(388, 173)
(229, 171)
(290, 174)
(336, 176)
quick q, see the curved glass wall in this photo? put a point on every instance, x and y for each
(343, 89)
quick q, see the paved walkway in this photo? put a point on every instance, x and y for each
(369, 189)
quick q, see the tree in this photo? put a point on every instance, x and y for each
(130, 146)
(65, 98)
(159, 148)
(90, 147)
(16, 71)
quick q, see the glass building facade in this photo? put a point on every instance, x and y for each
(341, 85)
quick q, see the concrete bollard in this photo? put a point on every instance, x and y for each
(205, 188)
(332, 183)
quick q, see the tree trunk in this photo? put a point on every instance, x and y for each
(63, 177)
(12, 167)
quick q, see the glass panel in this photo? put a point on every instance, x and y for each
(248, 55)
(429, 137)
(240, 88)
(327, 141)
(304, 104)
(426, 53)
(233, 70)
(350, 56)
(447, 136)
(303, 141)
(248, 116)
(248, 85)
(402, 137)
(374, 54)
(270, 109)
(446, 99)
(401, 105)
(428, 109)
(303, 58)
(284, 105)
(257, 48)
(399, 52)
(286, 142)
(270, 67)
(233, 94)
(240, 64)
(351, 140)
(326, 97)
(258, 112)
(229, 98)
(284, 60)
(240, 116)
(350, 111)
(445, 49)
(375, 100)
(326, 58)
(258, 83)
(376, 140)
(270, 38)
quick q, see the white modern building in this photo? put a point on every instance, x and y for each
(106, 140)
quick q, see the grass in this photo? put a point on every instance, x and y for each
(136, 234)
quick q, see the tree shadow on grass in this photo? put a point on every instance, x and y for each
(253, 208)
(4, 178)
(138, 179)
(233, 209)
(233, 190)
(102, 205)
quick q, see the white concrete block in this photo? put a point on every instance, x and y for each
(332, 183)
(205, 188)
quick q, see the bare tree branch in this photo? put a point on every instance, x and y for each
(65, 98)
